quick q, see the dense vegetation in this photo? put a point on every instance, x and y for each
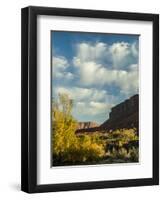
(70, 149)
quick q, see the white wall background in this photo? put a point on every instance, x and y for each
(10, 80)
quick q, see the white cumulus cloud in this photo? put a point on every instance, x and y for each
(92, 108)
(83, 94)
(101, 64)
(88, 102)
(60, 68)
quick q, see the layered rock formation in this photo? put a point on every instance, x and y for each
(85, 125)
(124, 115)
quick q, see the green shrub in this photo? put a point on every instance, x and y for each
(134, 154)
(127, 156)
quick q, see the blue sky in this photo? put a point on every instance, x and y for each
(96, 70)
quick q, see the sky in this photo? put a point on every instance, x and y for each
(96, 70)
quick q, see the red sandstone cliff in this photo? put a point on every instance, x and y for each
(85, 125)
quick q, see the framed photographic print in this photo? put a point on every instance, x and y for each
(90, 99)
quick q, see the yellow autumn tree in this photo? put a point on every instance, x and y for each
(66, 146)
(64, 126)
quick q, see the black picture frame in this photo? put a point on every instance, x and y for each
(29, 99)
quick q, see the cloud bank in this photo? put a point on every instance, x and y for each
(103, 64)
(98, 76)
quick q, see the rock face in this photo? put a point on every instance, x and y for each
(85, 125)
(123, 115)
